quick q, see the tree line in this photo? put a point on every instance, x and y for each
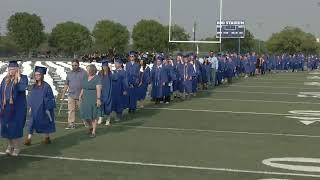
(25, 34)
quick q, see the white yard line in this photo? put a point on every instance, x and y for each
(279, 83)
(260, 101)
(282, 79)
(213, 111)
(176, 166)
(224, 132)
(209, 131)
(271, 87)
(251, 92)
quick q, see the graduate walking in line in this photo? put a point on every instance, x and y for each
(206, 73)
(106, 92)
(42, 104)
(159, 77)
(133, 72)
(119, 90)
(13, 107)
(144, 81)
(186, 72)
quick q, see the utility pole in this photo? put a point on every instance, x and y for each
(194, 33)
(260, 25)
(239, 47)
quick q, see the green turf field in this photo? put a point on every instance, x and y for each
(221, 134)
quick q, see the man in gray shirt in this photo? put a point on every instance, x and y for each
(214, 67)
(73, 86)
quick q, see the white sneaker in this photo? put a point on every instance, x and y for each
(15, 152)
(100, 120)
(9, 150)
(108, 122)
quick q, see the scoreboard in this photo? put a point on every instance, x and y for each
(231, 29)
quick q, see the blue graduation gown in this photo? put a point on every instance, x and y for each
(229, 69)
(145, 79)
(177, 84)
(236, 61)
(220, 73)
(42, 99)
(13, 117)
(253, 62)
(301, 63)
(186, 72)
(119, 86)
(106, 98)
(168, 89)
(273, 63)
(196, 76)
(198, 71)
(278, 63)
(282, 63)
(206, 68)
(133, 72)
(159, 77)
(286, 63)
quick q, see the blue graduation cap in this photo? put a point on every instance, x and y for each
(104, 62)
(144, 58)
(13, 64)
(186, 55)
(159, 57)
(118, 61)
(192, 55)
(41, 70)
(132, 53)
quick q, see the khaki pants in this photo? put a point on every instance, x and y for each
(213, 77)
(72, 105)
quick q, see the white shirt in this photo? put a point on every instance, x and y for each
(214, 62)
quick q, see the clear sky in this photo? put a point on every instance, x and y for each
(263, 17)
